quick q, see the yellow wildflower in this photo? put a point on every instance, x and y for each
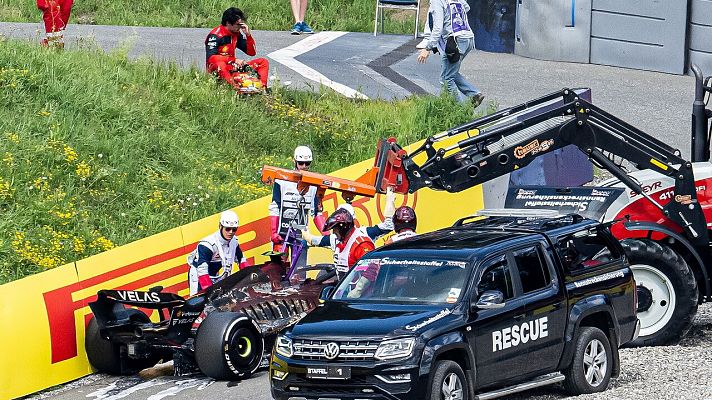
(6, 189)
(78, 245)
(41, 184)
(12, 136)
(83, 170)
(70, 154)
(102, 243)
(8, 159)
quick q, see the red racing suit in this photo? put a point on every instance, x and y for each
(220, 48)
(55, 14)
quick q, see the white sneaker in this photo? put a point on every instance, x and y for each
(422, 44)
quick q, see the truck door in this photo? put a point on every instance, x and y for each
(496, 359)
(545, 321)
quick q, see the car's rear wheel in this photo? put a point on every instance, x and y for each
(102, 354)
(448, 382)
(228, 346)
(590, 370)
(105, 356)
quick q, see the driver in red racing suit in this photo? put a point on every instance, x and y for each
(221, 43)
(55, 14)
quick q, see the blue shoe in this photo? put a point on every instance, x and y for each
(306, 28)
(297, 29)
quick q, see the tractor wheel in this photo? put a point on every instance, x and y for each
(228, 346)
(667, 292)
(105, 356)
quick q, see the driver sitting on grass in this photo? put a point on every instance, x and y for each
(220, 46)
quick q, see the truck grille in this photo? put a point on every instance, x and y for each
(351, 350)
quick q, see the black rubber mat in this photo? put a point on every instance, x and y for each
(382, 65)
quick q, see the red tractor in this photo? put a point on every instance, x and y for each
(659, 205)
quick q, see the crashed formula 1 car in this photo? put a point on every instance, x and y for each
(224, 331)
(247, 80)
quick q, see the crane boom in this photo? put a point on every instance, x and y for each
(512, 138)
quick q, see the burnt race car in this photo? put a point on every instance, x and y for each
(247, 80)
(225, 332)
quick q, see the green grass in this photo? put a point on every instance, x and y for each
(97, 151)
(348, 15)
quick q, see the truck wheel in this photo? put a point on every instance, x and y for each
(105, 356)
(667, 292)
(228, 346)
(590, 370)
(448, 382)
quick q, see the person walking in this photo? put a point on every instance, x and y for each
(299, 10)
(452, 37)
(55, 14)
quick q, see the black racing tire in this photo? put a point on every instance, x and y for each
(590, 370)
(448, 381)
(105, 356)
(102, 354)
(228, 346)
(667, 292)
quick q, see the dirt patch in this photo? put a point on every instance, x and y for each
(86, 19)
(408, 15)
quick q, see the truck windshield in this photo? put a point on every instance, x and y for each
(406, 280)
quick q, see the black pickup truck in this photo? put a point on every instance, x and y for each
(480, 310)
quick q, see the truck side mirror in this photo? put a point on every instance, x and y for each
(708, 84)
(490, 300)
(326, 292)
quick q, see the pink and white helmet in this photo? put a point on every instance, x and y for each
(303, 153)
(228, 219)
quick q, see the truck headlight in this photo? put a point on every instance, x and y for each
(283, 345)
(397, 348)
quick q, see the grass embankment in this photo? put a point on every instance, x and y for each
(275, 15)
(97, 151)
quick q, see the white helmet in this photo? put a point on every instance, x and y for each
(348, 207)
(302, 153)
(228, 219)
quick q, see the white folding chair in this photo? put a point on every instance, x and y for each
(413, 5)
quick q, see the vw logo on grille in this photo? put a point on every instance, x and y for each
(331, 350)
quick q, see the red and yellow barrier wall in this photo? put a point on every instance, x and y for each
(44, 316)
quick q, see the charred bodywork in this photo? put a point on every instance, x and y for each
(234, 320)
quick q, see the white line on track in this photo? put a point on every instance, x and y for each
(286, 57)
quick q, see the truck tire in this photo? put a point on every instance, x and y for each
(667, 292)
(105, 356)
(228, 346)
(590, 370)
(448, 382)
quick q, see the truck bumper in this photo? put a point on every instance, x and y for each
(288, 381)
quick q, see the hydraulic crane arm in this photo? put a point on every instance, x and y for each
(512, 138)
